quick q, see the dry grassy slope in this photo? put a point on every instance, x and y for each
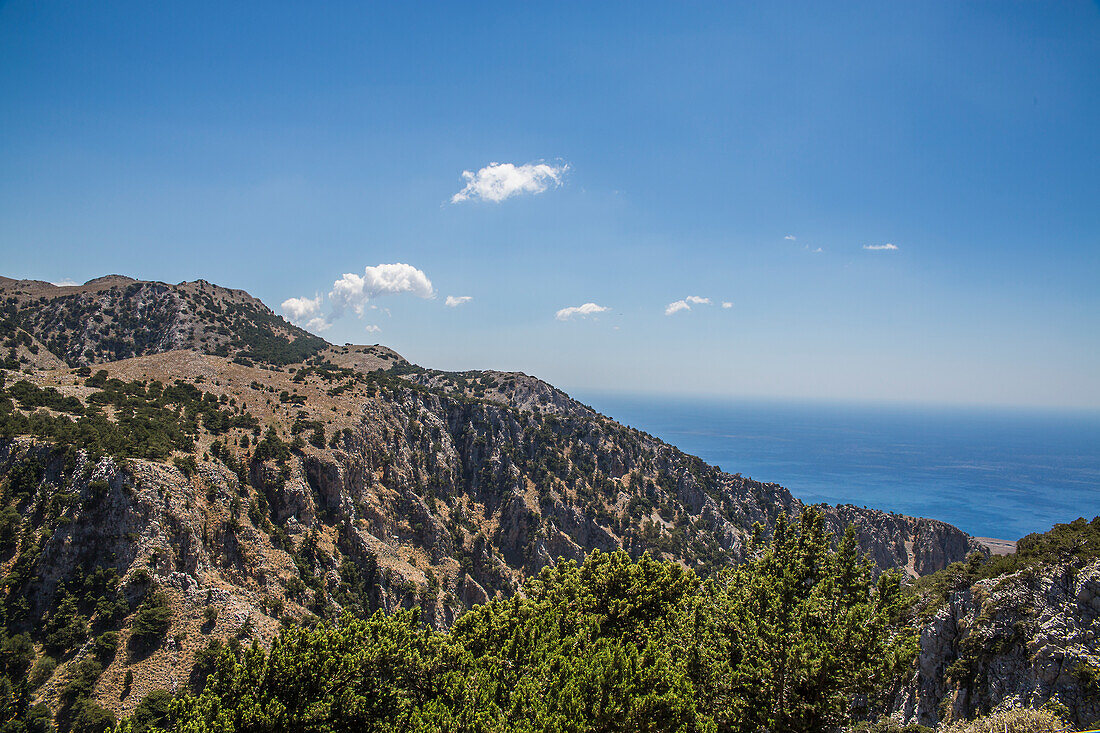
(443, 489)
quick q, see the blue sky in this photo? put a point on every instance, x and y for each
(276, 147)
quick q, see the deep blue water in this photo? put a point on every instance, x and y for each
(991, 472)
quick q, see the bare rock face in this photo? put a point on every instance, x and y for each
(917, 545)
(1018, 640)
(145, 523)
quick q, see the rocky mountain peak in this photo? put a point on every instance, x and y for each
(116, 317)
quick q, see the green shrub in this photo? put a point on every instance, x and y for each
(17, 655)
(105, 646)
(786, 642)
(1078, 540)
(151, 621)
(91, 717)
(39, 719)
(186, 465)
(271, 448)
(82, 678)
(65, 628)
(42, 670)
(152, 711)
(10, 524)
(206, 660)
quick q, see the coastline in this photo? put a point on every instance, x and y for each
(998, 547)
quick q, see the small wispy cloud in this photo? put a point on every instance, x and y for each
(727, 304)
(685, 304)
(676, 307)
(815, 251)
(65, 283)
(579, 311)
(453, 301)
(880, 247)
(499, 181)
(372, 329)
(790, 237)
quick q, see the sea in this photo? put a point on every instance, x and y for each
(992, 472)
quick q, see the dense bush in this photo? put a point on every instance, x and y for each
(42, 670)
(149, 420)
(151, 712)
(151, 621)
(91, 717)
(81, 680)
(105, 646)
(10, 523)
(65, 628)
(29, 396)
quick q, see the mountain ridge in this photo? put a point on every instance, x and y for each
(347, 479)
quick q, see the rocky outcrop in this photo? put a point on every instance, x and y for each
(1020, 640)
(116, 317)
(917, 545)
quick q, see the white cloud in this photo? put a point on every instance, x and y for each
(877, 247)
(790, 237)
(372, 329)
(498, 181)
(353, 291)
(306, 312)
(815, 251)
(453, 301)
(727, 304)
(582, 311)
(685, 304)
(300, 309)
(679, 305)
(65, 283)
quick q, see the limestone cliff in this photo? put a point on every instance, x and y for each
(1024, 639)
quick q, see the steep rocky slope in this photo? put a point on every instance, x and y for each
(241, 473)
(1024, 637)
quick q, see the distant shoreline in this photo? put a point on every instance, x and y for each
(998, 547)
